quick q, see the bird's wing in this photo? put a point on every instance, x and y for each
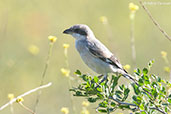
(98, 50)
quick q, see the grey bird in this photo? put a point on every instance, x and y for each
(94, 54)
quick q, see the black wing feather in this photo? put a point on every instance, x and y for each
(100, 54)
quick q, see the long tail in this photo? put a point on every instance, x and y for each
(128, 76)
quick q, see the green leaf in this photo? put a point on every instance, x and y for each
(113, 104)
(103, 104)
(99, 89)
(78, 93)
(154, 93)
(118, 93)
(158, 79)
(150, 63)
(169, 100)
(85, 77)
(143, 112)
(155, 85)
(122, 87)
(145, 71)
(136, 89)
(100, 96)
(126, 93)
(137, 99)
(141, 82)
(137, 113)
(145, 77)
(78, 72)
(134, 98)
(102, 84)
(102, 110)
(115, 82)
(88, 84)
(137, 72)
(147, 82)
(96, 79)
(166, 109)
(141, 107)
(92, 100)
(169, 96)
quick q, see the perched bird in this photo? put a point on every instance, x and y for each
(94, 53)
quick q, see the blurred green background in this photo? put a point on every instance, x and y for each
(26, 24)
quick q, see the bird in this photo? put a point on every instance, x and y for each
(94, 53)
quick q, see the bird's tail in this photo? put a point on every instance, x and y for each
(128, 76)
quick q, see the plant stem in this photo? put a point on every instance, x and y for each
(44, 74)
(133, 42)
(154, 21)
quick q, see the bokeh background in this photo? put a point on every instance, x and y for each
(26, 24)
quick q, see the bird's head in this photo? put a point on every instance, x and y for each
(79, 31)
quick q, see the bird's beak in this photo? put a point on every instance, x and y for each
(67, 31)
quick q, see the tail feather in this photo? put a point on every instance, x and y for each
(128, 76)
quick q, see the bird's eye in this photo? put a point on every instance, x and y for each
(79, 31)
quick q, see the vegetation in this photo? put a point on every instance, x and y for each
(146, 96)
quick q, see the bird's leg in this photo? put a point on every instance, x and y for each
(104, 78)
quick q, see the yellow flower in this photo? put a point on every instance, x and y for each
(85, 103)
(66, 46)
(85, 111)
(127, 67)
(133, 7)
(65, 110)
(163, 54)
(52, 38)
(10, 96)
(167, 69)
(65, 72)
(33, 49)
(104, 19)
(19, 100)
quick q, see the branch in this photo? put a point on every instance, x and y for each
(44, 73)
(158, 109)
(25, 94)
(154, 21)
(130, 104)
(123, 103)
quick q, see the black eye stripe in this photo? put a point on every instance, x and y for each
(79, 31)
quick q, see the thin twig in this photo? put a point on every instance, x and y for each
(154, 21)
(158, 109)
(47, 63)
(69, 80)
(26, 108)
(130, 104)
(123, 103)
(11, 109)
(133, 42)
(25, 94)
(44, 73)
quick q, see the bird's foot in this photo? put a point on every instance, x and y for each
(104, 78)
